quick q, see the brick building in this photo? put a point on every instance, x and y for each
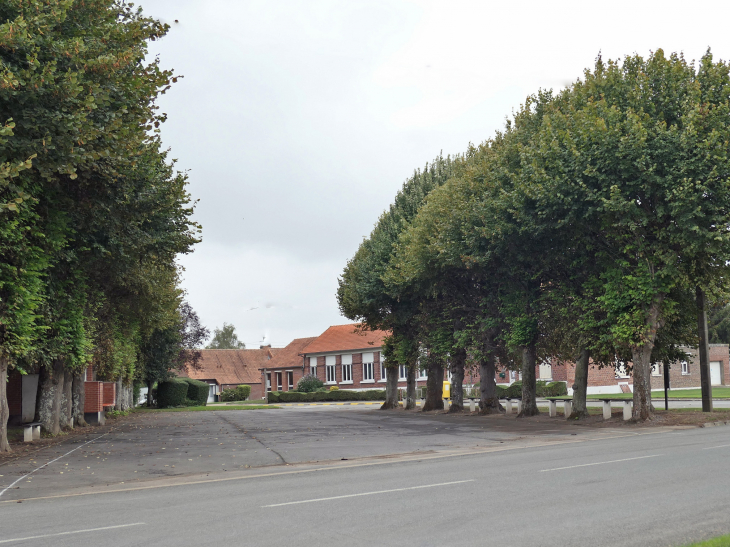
(228, 368)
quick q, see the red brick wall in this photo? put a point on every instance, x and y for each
(93, 396)
(15, 394)
(110, 391)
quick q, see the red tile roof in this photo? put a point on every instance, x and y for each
(290, 356)
(232, 366)
(346, 338)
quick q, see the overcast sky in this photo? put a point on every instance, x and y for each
(299, 120)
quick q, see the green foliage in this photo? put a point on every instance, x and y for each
(325, 396)
(309, 383)
(239, 393)
(197, 392)
(225, 338)
(552, 389)
(172, 393)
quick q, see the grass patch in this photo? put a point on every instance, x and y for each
(722, 541)
(205, 408)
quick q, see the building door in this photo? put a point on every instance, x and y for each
(715, 373)
(211, 393)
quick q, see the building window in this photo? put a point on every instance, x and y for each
(383, 373)
(422, 374)
(621, 370)
(330, 368)
(290, 379)
(268, 381)
(402, 372)
(546, 371)
(278, 381)
(685, 367)
(656, 369)
(313, 366)
(346, 361)
(367, 372)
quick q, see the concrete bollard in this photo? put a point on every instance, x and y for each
(568, 408)
(447, 404)
(627, 410)
(519, 406)
(472, 405)
(508, 406)
(606, 410)
(552, 409)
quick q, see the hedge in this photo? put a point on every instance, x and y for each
(544, 389)
(197, 392)
(309, 383)
(317, 396)
(238, 393)
(172, 393)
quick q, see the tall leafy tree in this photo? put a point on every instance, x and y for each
(225, 338)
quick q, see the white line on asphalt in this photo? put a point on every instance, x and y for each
(721, 446)
(74, 532)
(600, 463)
(49, 463)
(367, 493)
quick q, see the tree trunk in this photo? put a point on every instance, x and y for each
(704, 352)
(488, 400)
(48, 403)
(434, 386)
(149, 392)
(65, 414)
(4, 409)
(580, 386)
(641, 356)
(391, 388)
(458, 360)
(79, 396)
(411, 387)
(529, 382)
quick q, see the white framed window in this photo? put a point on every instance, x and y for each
(268, 381)
(290, 379)
(383, 373)
(331, 369)
(685, 367)
(346, 361)
(367, 372)
(546, 371)
(656, 369)
(402, 372)
(313, 366)
(279, 385)
(422, 374)
(621, 370)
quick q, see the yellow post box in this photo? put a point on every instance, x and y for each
(447, 390)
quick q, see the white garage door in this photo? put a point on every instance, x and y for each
(715, 373)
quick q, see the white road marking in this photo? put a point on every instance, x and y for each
(49, 463)
(368, 493)
(74, 532)
(601, 463)
(721, 446)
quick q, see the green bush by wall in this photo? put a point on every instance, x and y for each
(172, 393)
(326, 396)
(197, 392)
(238, 393)
(309, 383)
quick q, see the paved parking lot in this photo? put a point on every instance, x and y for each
(148, 447)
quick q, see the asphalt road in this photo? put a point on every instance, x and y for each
(426, 480)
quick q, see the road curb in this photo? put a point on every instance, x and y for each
(327, 404)
(714, 424)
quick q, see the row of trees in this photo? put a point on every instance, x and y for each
(92, 210)
(594, 228)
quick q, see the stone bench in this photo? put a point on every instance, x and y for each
(508, 404)
(553, 407)
(627, 405)
(31, 431)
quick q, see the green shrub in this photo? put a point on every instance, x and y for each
(514, 390)
(326, 396)
(309, 383)
(557, 389)
(238, 393)
(501, 391)
(172, 393)
(136, 392)
(197, 392)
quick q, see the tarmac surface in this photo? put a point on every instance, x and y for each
(352, 475)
